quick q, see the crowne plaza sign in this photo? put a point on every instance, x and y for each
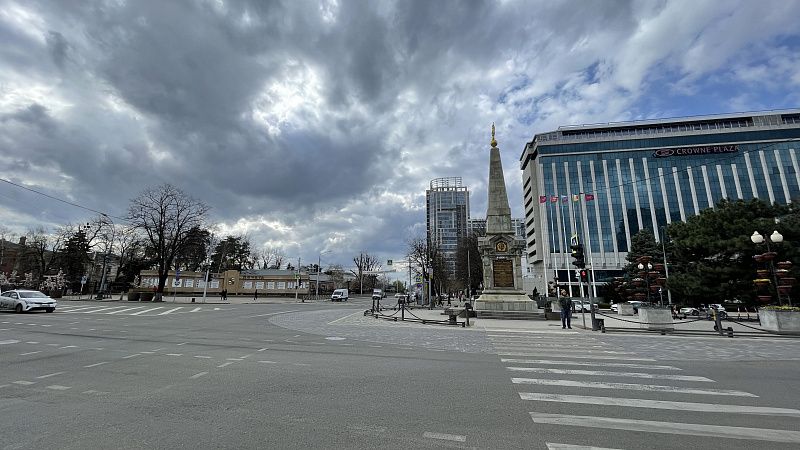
(693, 151)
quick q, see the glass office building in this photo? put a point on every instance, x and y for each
(603, 183)
(447, 203)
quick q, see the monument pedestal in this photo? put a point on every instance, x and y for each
(504, 306)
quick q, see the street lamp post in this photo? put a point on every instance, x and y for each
(646, 267)
(776, 238)
(319, 269)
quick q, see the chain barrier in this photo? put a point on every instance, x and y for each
(750, 326)
(650, 323)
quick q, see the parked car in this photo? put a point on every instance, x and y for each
(582, 305)
(689, 311)
(378, 294)
(340, 295)
(20, 300)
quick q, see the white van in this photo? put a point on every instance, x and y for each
(340, 295)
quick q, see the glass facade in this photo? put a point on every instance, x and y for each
(447, 204)
(605, 183)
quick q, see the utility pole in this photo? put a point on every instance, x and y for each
(297, 280)
(105, 259)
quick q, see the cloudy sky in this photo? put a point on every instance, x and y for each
(317, 125)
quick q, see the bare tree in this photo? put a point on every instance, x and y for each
(365, 263)
(336, 272)
(165, 215)
(42, 250)
(270, 258)
(426, 260)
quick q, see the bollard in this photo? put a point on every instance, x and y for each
(730, 332)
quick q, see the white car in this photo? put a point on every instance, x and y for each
(688, 311)
(19, 300)
(615, 307)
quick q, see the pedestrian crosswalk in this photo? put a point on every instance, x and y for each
(576, 381)
(126, 310)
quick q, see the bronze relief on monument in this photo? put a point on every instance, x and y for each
(503, 270)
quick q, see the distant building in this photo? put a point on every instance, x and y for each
(447, 203)
(605, 182)
(478, 226)
(267, 282)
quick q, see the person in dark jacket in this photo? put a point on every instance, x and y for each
(566, 312)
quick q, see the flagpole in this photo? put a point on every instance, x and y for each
(589, 245)
(552, 253)
(542, 213)
(578, 232)
(566, 242)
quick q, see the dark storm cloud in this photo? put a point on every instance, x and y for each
(320, 123)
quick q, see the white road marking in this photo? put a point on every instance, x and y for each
(500, 330)
(146, 310)
(550, 355)
(630, 386)
(67, 346)
(335, 338)
(651, 426)
(131, 356)
(125, 310)
(269, 362)
(606, 373)
(584, 363)
(196, 309)
(30, 353)
(58, 387)
(275, 313)
(202, 356)
(564, 351)
(157, 349)
(49, 375)
(31, 342)
(233, 359)
(247, 356)
(146, 353)
(52, 345)
(660, 404)
(174, 354)
(182, 343)
(261, 349)
(9, 341)
(198, 375)
(76, 309)
(47, 326)
(24, 383)
(170, 311)
(555, 446)
(445, 436)
(96, 364)
(345, 317)
(225, 364)
(92, 311)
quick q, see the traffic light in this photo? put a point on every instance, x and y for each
(584, 275)
(578, 256)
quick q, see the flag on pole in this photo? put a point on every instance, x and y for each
(564, 198)
(576, 197)
(554, 199)
(589, 197)
(542, 199)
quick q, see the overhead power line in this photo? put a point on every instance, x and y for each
(63, 201)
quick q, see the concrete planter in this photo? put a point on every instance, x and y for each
(625, 309)
(782, 322)
(656, 319)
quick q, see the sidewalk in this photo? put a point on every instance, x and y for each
(489, 325)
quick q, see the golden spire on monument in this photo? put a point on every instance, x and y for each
(494, 142)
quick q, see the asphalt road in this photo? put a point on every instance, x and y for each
(320, 375)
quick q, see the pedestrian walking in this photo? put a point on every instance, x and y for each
(566, 313)
(224, 295)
